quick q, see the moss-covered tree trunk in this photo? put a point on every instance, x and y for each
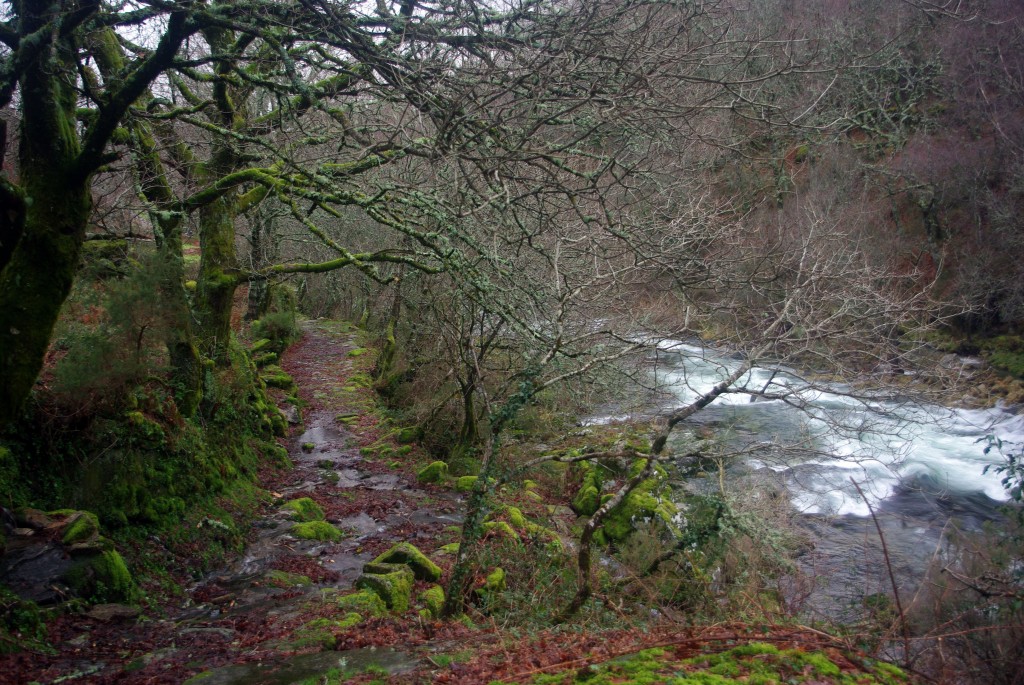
(218, 265)
(42, 264)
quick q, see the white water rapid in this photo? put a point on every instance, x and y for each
(819, 438)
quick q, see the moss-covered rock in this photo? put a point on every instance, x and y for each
(102, 577)
(263, 345)
(434, 472)
(501, 529)
(588, 497)
(365, 602)
(645, 503)
(276, 377)
(450, 548)
(465, 483)
(394, 588)
(316, 530)
(82, 526)
(407, 435)
(433, 600)
(305, 509)
(407, 554)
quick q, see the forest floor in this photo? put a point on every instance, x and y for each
(272, 615)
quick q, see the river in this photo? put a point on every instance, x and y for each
(920, 466)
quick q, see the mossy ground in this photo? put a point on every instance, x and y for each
(755, 663)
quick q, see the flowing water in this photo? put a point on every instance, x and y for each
(921, 467)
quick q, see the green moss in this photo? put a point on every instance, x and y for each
(451, 548)
(357, 352)
(500, 528)
(103, 578)
(407, 435)
(516, 518)
(408, 555)
(433, 600)
(82, 527)
(465, 483)
(316, 530)
(366, 602)
(435, 472)
(276, 377)
(643, 504)
(320, 633)
(394, 588)
(305, 509)
(285, 579)
(751, 664)
(261, 345)
(588, 497)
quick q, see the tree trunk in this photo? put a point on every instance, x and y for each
(218, 277)
(42, 264)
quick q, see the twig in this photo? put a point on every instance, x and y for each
(892, 577)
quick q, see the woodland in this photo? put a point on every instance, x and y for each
(314, 313)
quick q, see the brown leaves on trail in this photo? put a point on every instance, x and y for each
(303, 565)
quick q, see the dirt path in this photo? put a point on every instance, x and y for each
(250, 622)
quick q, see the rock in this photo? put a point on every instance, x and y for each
(23, 532)
(291, 414)
(465, 483)
(365, 602)
(588, 497)
(304, 509)
(32, 518)
(451, 548)
(316, 530)
(102, 577)
(261, 345)
(435, 472)
(81, 527)
(500, 528)
(433, 601)
(394, 588)
(407, 554)
(113, 612)
(407, 435)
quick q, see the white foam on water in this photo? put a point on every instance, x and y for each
(879, 443)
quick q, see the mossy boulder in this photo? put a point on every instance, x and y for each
(500, 529)
(316, 530)
(103, 577)
(465, 483)
(407, 435)
(263, 345)
(407, 554)
(434, 472)
(365, 602)
(588, 497)
(394, 588)
(81, 527)
(645, 503)
(432, 600)
(276, 377)
(305, 509)
(450, 548)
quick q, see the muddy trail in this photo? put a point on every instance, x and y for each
(269, 615)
